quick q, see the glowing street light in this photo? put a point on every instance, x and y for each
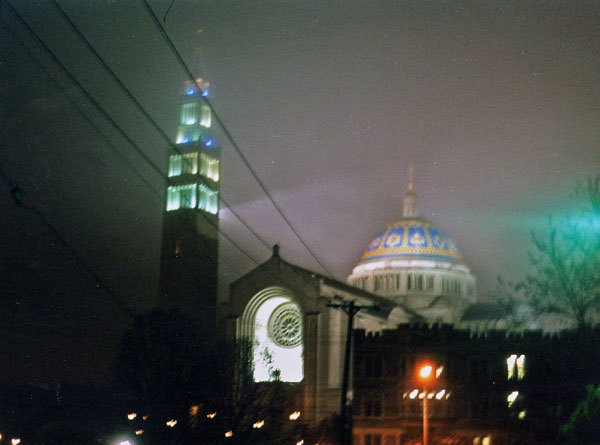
(171, 423)
(131, 416)
(295, 415)
(229, 433)
(425, 372)
(258, 424)
(425, 375)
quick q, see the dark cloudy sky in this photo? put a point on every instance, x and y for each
(495, 104)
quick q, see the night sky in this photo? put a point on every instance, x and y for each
(496, 106)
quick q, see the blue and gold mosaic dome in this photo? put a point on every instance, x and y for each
(411, 239)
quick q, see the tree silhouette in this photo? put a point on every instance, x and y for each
(583, 426)
(565, 276)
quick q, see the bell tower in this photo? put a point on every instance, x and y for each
(189, 250)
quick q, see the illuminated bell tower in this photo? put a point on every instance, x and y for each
(189, 252)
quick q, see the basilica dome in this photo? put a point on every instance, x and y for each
(411, 239)
(414, 264)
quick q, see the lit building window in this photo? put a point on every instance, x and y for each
(189, 113)
(205, 116)
(521, 367)
(512, 397)
(515, 367)
(208, 199)
(186, 135)
(181, 197)
(183, 164)
(209, 167)
(278, 341)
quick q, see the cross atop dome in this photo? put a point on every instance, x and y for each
(409, 209)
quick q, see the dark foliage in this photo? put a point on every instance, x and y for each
(565, 263)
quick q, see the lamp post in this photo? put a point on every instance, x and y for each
(351, 309)
(425, 375)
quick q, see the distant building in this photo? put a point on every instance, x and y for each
(189, 252)
(496, 388)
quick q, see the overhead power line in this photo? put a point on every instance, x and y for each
(111, 120)
(140, 107)
(108, 142)
(228, 134)
(124, 134)
(20, 200)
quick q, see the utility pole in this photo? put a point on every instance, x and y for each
(350, 309)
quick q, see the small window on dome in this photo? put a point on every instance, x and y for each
(429, 282)
(414, 282)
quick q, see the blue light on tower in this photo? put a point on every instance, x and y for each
(208, 142)
(205, 93)
(190, 91)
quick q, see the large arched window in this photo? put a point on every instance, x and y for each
(274, 323)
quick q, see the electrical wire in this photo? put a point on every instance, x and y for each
(131, 142)
(139, 106)
(228, 133)
(115, 124)
(81, 112)
(19, 198)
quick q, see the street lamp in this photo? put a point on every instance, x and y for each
(425, 375)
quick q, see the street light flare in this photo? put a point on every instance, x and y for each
(425, 371)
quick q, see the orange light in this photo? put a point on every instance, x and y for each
(229, 433)
(426, 371)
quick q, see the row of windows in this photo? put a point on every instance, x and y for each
(401, 439)
(194, 163)
(192, 196)
(477, 367)
(414, 282)
(451, 286)
(186, 135)
(193, 113)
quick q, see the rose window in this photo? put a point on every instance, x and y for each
(285, 325)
